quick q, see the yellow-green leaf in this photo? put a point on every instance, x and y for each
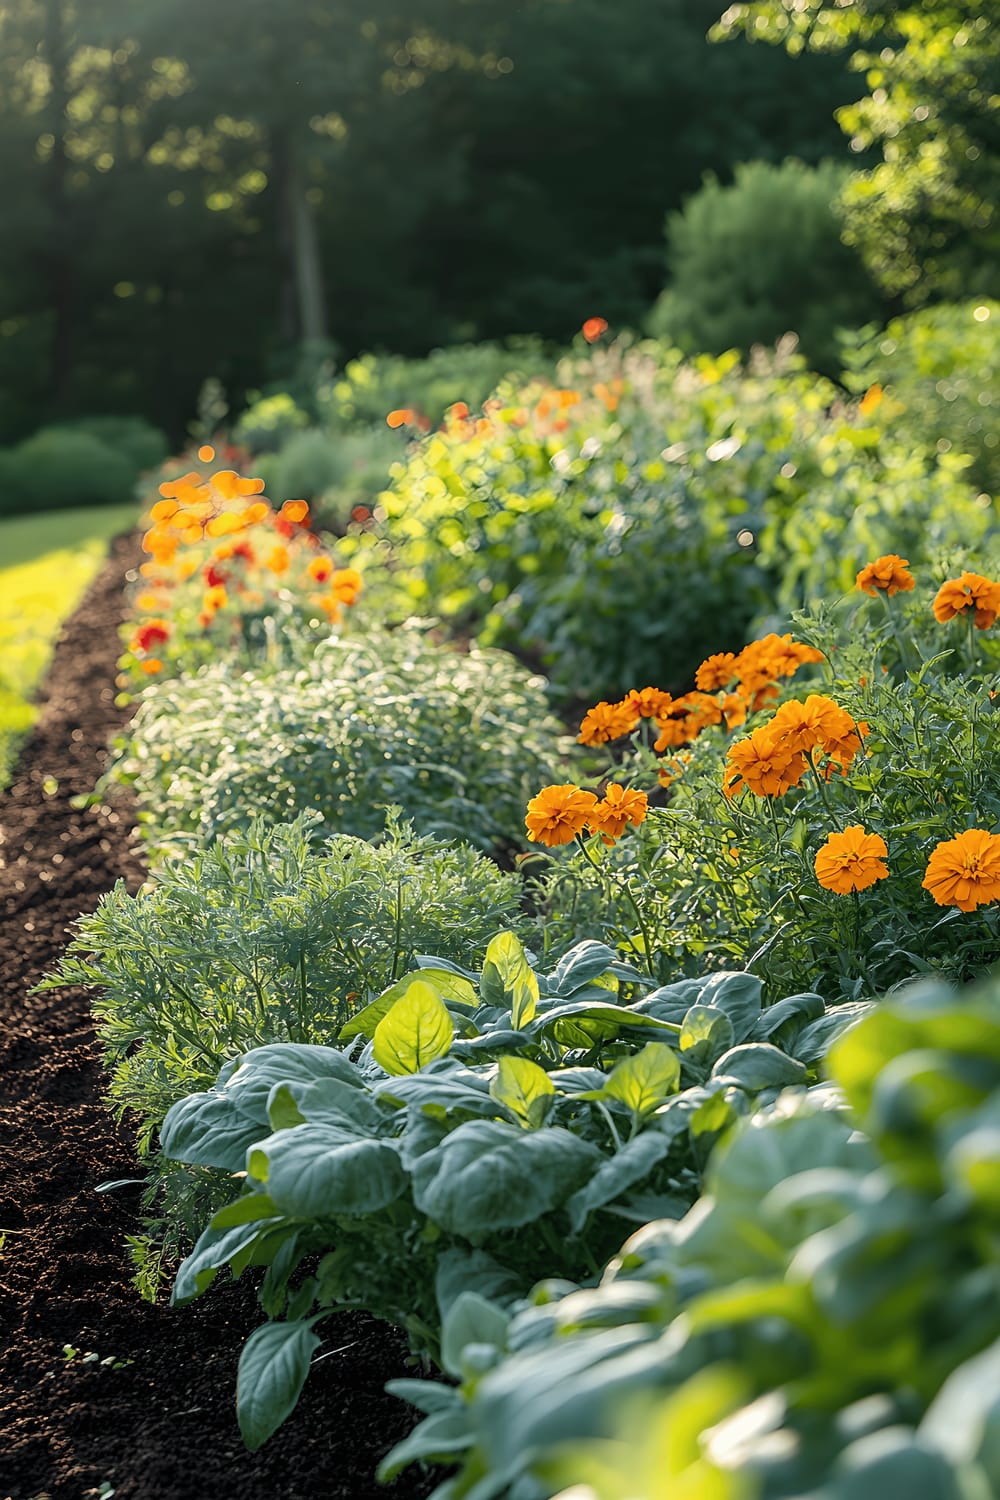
(508, 979)
(644, 1080)
(522, 1086)
(416, 1030)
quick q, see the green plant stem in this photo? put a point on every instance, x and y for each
(625, 886)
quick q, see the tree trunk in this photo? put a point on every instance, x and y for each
(302, 301)
(60, 258)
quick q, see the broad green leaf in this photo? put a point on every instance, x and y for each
(215, 1248)
(416, 1030)
(508, 979)
(329, 1101)
(584, 1023)
(522, 1087)
(438, 1438)
(466, 1270)
(706, 1033)
(206, 1130)
(320, 1171)
(449, 986)
(471, 1319)
(250, 1084)
(588, 963)
(273, 1368)
(282, 1110)
(758, 1065)
(614, 1177)
(738, 996)
(488, 1175)
(786, 1017)
(644, 1080)
(245, 1210)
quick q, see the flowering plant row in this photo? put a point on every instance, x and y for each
(885, 788)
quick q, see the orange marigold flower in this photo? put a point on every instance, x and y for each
(206, 453)
(151, 666)
(616, 811)
(255, 513)
(459, 411)
(277, 560)
(163, 510)
(215, 597)
(669, 770)
(224, 524)
(965, 871)
(851, 861)
(646, 702)
(296, 511)
(606, 721)
(716, 671)
(685, 718)
(763, 764)
(887, 575)
(817, 721)
(346, 584)
(593, 328)
(558, 814)
(871, 399)
(734, 710)
(971, 591)
(320, 568)
(843, 750)
(149, 633)
(230, 485)
(401, 417)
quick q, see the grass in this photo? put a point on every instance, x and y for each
(48, 561)
(25, 538)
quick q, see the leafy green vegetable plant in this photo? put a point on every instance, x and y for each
(824, 1323)
(494, 1129)
(389, 718)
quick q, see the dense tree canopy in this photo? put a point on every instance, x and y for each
(195, 189)
(926, 216)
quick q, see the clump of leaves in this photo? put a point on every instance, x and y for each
(388, 718)
(495, 1128)
(823, 1323)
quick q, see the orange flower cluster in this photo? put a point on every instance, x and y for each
(559, 814)
(740, 684)
(220, 531)
(965, 871)
(970, 591)
(775, 757)
(851, 861)
(886, 575)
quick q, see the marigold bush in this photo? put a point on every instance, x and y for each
(849, 835)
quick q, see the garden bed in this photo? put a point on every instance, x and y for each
(151, 1417)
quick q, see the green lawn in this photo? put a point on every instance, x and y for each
(23, 538)
(46, 564)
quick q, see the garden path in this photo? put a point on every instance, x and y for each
(151, 1418)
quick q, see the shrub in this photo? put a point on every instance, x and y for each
(942, 366)
(489, 1133)
(896, 738)
(307, 465)
(367, 722)
(269, 422)
(373, 385)
(133, 438)
(822, 1323)
(761, 257)
(59, 468)
(336, 472)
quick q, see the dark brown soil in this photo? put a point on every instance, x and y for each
(156, 1422)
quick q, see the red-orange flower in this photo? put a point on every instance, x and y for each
(149, 633)
(851, 861)
(401, 417)
(346, 585)
(606, 721)
(593, 328)
(887, 575)
(320, 568)
(965, 871)
(971, 591)
(619, 808)
(558, 814)
(646, 703)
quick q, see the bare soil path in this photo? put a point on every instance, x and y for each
(157, 1423)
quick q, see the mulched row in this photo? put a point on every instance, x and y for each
(152, 1417)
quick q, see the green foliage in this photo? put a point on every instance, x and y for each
(630, 520)
(732, 880)
(133, 438)
(925, 216)
(459, 742)
(60, 468)
(942, 365)
(477, 1143)
(824, 1322)
(269, 422)
(269, 936)
(758, 258)
(335, 471)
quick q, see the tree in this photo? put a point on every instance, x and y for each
(926, 216)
